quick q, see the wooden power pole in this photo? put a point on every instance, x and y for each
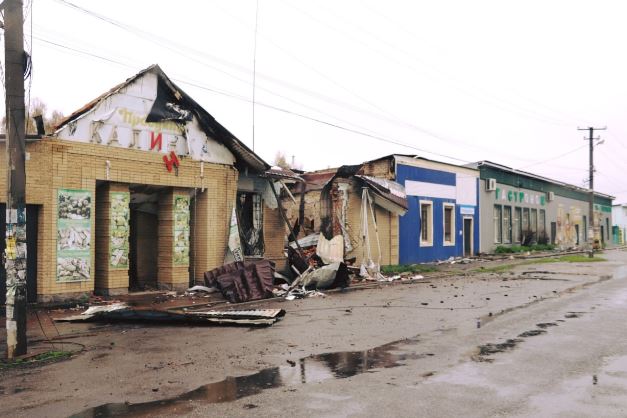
(591, 224)
(15, 252)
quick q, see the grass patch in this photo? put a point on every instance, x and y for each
(407, 268)
(573, 258)
(496, 269)
(43, 358)
(543, 260)
(580, 258)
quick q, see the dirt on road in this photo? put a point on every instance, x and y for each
(124, 366)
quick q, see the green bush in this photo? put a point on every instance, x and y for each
(542, 247)
(503, 249)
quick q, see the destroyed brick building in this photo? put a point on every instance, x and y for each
(428, 211)
(139, 189)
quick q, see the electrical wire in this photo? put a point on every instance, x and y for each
(493, 102)
(178, 49)
(554, 158)
(269, 106)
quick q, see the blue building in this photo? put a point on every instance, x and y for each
(443, 216)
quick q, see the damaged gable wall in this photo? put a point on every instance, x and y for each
(120, 120)
(387, 222)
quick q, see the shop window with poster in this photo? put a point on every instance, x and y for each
(250, 219)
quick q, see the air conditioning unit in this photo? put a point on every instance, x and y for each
(550, 196)
(490, 185)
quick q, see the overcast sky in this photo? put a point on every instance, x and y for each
(342, 82)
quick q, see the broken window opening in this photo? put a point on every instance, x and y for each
(250, 219)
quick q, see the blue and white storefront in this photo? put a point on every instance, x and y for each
(443, 216)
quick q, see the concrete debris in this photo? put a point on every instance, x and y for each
(194, 290)
(455, 260)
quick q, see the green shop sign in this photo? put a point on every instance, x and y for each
(602, 208)
(520, 197)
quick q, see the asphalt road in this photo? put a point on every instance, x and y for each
(576, 366)
(550, 343)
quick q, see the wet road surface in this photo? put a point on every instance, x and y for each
(544, 340)
(563, 357)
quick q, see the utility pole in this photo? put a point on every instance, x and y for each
(591, 223)
(15, 252)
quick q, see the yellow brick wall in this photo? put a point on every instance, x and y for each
(312, 211)
(387, 225)
(107, 279)
(169, 274)
(387, 222)
(212, 208)
(274, 236)
(56, 164)
(380, 168)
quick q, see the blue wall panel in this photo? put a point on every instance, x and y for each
(404, 172)
(410, 250)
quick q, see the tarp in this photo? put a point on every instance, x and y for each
(331, 251)
(234, 245)
(326, 277)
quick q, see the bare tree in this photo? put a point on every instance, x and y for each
(38, 107)
(281, 161)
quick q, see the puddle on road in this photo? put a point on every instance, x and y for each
(315, 368)
(532, 333)
(544, 325)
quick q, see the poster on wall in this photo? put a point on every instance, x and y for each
(120, 229)
(73, 235)
(181, 230)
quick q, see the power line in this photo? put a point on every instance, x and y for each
(269, 106)
(197, 84)
(553, 158)
(178, 49)
(491, 101)
(479, 88)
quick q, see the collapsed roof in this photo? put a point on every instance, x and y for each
(179, 106)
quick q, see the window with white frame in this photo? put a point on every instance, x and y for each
(507, 224)
(517, 225)
(533, 220)
(498, 223)
(449, 224)
(426, 223)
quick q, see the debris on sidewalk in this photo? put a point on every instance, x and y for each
(124, 312)
(243, 281)
(200, 290)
